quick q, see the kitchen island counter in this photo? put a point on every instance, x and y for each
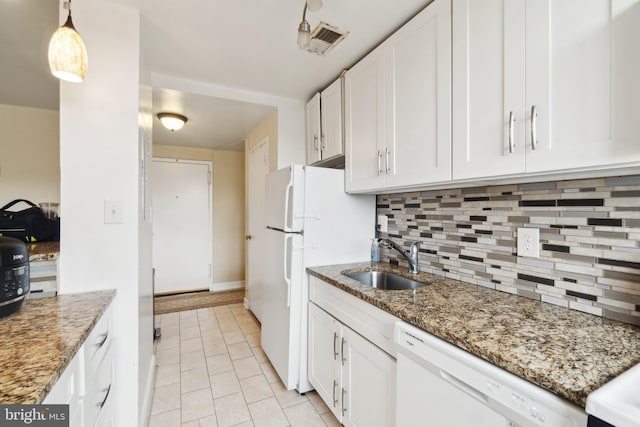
(38, 342)
(567, 352)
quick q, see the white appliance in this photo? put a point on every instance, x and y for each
(617, 402)
(443, 385)
(310, 221)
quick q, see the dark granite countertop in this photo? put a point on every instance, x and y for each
(567, 352)
(38, 342)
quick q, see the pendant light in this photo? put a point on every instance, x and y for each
(304, 30)
(172, 121)
(67, 53)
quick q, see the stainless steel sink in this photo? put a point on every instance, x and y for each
(385, 280)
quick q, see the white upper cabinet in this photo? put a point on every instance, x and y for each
(331, 140)
(542, 86)
(418, 134)
(398, 107)
(364, 114)
(313, 131)
(324, 124)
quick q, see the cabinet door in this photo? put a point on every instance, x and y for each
(488, 88)
(323, 348)
(364, 102)
(331, 121)
(368, 389)
(582, 77)
(313, 129)
(419, 99)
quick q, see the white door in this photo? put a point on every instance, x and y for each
(419, 99)
(313, 129)
(582, 77)
(181, 225)
(258, 166)
(368, 375)
(281, 313)
(324, 352)
(331, 120)
(488, 88)
(364, 113)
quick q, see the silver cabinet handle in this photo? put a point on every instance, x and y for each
(534, 124)
(315, 142)
(386, 162)
(106, 396)
(512, 144)
(335, 385)
(344, 359)
(323, 142)
(344, 408)
(379, 162)
(335, 346)
(103, 340)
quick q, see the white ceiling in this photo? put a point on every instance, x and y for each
(242, 44)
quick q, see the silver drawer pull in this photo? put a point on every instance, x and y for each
(106, 396)
(344, 359)
(335, 346)
(512, 143)
(344, 408)
(386, 161)
(379, 162)
(103, 340)
(335, 385)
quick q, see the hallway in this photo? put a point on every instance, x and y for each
(213, 372)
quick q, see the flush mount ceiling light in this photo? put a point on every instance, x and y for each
(172, 121)
(304, 30)
(67, 53)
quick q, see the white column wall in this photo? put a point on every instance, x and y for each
(99, 159)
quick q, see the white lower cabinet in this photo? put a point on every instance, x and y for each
(355, 378)
(87, 384)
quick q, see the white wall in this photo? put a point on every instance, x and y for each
(29, 154)
(100, 159)
(290, 144)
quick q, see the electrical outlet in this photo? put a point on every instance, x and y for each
(529, 242)
(383, 223)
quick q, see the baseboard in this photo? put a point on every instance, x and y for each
(227, 286)
(246, 303)
(145, 408)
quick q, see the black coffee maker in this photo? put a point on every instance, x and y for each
(14, 275)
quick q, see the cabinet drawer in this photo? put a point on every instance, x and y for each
(100, 388)
(371, 322)
(97, 343)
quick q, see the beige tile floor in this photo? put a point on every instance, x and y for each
(212, 372)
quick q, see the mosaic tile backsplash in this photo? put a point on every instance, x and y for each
(589, 240)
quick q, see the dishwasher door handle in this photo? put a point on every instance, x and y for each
(471, 391)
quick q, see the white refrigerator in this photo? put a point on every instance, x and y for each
(310, 221)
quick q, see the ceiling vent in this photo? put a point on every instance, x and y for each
(324, 38)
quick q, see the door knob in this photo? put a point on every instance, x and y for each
(248, 237)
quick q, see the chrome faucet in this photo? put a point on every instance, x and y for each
(411, 255)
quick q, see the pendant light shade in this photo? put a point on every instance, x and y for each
(172, 121)
(67, 53)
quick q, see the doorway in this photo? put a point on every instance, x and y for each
(258, 164)
(182, 241)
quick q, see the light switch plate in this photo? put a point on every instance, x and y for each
(383, 223)
(529, 242)
(113, 211)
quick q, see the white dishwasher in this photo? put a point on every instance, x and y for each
(439, 384)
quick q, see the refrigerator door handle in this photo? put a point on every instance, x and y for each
(288, 193)
(287, 254)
